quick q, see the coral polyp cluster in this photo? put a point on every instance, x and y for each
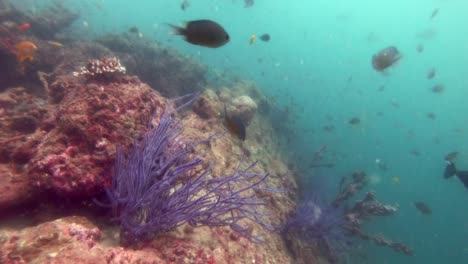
(106, 67)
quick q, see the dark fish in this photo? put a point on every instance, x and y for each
(431, 115)
(451, 156)
(438, 88)
(434, 13)
(431, 73)
(423, 208)
(329, 128)
(235, 125)
(420, 48)
(185, 4)
(265, 37)
(415, 152)
(385, 58)
(354, 121)
(451, 170)
(134, 30)
(204, 33)
(248, 3)
(395, 104)
(382, 165)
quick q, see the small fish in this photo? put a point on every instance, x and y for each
(248, 3)
(385, 58)
(203, 33)
(252, 39)
(85, 24)
(25, 51)
(55, 43)
(354, 121)
(235, 125)
(395, 180)
(451, 156)
(24, 27)
(438, 88)
(415, 152)
(185, 4)
(431, 73)
(434, 13)
(134, 30)
(329, 128)
(420, 48)
(431, 115)
(423, 208)
(265, 37)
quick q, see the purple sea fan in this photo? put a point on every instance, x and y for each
(160, 186)
(319, 225)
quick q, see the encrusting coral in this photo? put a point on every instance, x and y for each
(104, 68)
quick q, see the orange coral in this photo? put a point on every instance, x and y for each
(25, 51)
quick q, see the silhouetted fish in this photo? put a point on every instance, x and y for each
(248, 3)
(235, 125)
(204, 33)
(420, 48)
(438, 88)
(431, 73)
(431, 115)
(185, 4)
(265, 37)
(354, 121)
(133, 30)
(385, 58)
(434, 13)
(451, 156)
(423, 208)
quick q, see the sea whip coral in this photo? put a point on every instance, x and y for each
(107, 67)
(160, 186)
(318, 224)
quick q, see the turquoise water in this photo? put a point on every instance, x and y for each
(319, 57)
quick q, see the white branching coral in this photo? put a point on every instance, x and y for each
(106, 67)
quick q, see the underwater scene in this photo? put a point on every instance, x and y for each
(233, 131)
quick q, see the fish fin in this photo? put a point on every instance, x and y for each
(177, 30)
(450, 170)
(463, 176)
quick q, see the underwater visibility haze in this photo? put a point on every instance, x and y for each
(233, 131)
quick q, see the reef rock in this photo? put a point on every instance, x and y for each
(163, 68)
(207, 105)
(76, 154)
(244, 107)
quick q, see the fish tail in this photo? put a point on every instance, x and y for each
(177, 30)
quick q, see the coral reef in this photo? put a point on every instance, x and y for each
(75, 156)
(316, 224)
(162, 68)
(44, 24)
(106, 68)
(159, 187)
(243, 107)
(59, 134)
(331, 227)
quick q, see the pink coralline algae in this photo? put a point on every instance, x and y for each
(76, 154)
